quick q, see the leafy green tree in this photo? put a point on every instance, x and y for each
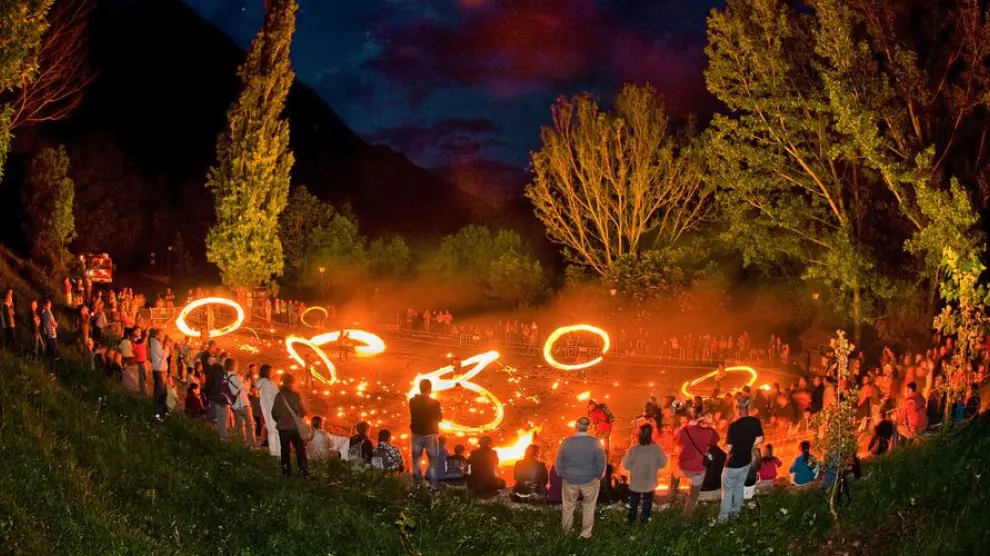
(390, 257)
(22, 26)
(337, 246)
(469, 252)
(250, 181)
(303, 215)
(49, 195)
(604, 183)
(515, 279)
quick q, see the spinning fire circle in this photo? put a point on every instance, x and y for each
(302, 317)
(685, 388)
(373, 345)
(564, 330)
(476, 363)
(180, 321)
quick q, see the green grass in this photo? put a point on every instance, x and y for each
(83, 470)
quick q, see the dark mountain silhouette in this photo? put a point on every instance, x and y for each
(166, 79)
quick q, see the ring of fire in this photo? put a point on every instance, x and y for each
(564, 330)
(477, 363)
(302, 317)
(373, 346)
(180, 321)
(740, 369)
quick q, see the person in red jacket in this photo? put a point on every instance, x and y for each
(601, 420)
(914, 415)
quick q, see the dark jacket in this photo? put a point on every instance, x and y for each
(214, 381)
(424, 415)
(284, 421)
(531, 474)
(360, 446)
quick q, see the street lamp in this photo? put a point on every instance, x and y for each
(322, 270)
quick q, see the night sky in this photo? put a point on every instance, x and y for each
(458, 82)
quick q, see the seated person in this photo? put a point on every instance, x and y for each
(171, 396)
(360, 447)
(320, 447)
(805, 468)
(531, 477)
(385, 456)
(194, 403)
(883, 435)
(455, 465)
(769, 465)
(483, 465)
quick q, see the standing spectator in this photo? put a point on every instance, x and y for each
(67, 290)
(38, 342)
(424, 424)
(99, 323)
(288, 412)
(8, 320)
(159, 368)
(49, 330)
(84, 323)
(140, 348)
(580, 464)
(601, 419)
(267, 392)
(236, 392)
(695, 441)
(744, 433)
(219, 407)
(643, 461)
(385, 456)
(972, 401)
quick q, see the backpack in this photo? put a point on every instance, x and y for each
(354, 452)
(609, 418)
(227, 393)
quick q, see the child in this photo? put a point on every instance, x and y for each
(456, 465)
(769, 465)
(171, 396)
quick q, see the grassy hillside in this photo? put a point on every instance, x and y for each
(84, 470)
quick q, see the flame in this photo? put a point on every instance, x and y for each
(516, 452)
(373, 344)
(586, 395)
(180, 321)
(556, 334)
(290, 341)
(741, 369)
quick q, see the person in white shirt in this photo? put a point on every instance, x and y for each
(267, 390)
(240, 405)
(156, 352)
(321, 446)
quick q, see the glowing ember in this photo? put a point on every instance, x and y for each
(475, 364)
(685, 388)
(248, 348)
(180, 321)
(556, 335)
(516, 452)
(302, 317)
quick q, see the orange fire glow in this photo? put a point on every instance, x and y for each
(302, 317)
(685, 388)
(517, 451)
(476, 364)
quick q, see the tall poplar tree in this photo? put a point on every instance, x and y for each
(250, 181)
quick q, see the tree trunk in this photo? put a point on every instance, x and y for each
(857, 310)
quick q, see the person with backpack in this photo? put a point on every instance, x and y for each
(696, 441)
(287, 412)
(360, 449)
(386, 456)
(601, 421)
(235, 392)
(219, 409)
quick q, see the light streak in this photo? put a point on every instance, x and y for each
(476, 364)
(290, 342)
(685, 388)
(584, 395)
(180, 321)
(373, 346)
(302, 317)
(556, 335)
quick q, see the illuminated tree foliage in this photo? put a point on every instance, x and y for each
(499, 264)
(390, 257)
(605, 183)
(964, 318)
(844, 134)
(303, 215)
(49, 197)
(22, 26)
(250, 181)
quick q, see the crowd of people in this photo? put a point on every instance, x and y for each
(721, 444)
